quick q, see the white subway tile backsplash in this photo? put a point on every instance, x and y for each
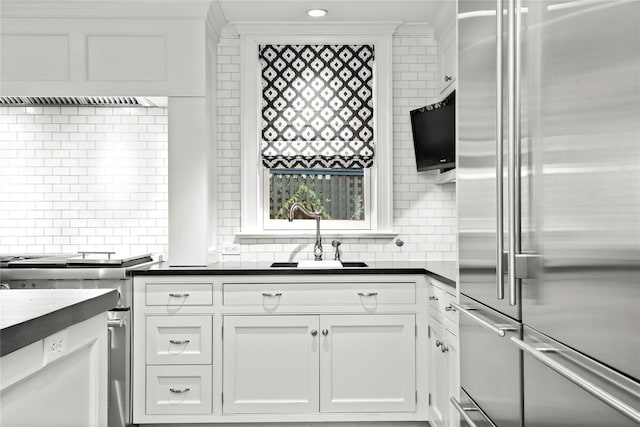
(417, 199)
(71, 176)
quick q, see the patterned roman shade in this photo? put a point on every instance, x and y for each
(317, 106)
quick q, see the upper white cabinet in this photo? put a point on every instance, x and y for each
(444, 22)
(136, 49)
(448, 58)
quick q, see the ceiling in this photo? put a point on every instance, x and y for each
(408, 11)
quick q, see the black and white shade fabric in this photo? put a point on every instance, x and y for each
(317, 106)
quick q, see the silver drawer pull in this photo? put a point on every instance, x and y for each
(599, 393)
(463, 411)
(444, 349)
(448, 78)
(498, 329)
(438, 343)
(367, 294)
(449, 308)
(271, 294)
(174, 390)
(178, 295)
(179, 341)
(433, 298)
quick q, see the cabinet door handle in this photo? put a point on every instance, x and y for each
(367, 294)
(444, 349)
(447, 78)
(433, 298)
(449, 308)
(271, 294)
(178, 295)
(179, 341)
(314, 333)
(438, 343)
(175, 390)
(325, 332)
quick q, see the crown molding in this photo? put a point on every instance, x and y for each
(105, 9)
(216, 21)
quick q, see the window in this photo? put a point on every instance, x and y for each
(316, 129)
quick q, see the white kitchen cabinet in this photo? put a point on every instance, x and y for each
(60, 380)
(367, 363)
(270, 364)
(444, 22)
(453, 376)
(276, 364)
(269, 359)
(443, 356)
(438, 378)
(448, 58)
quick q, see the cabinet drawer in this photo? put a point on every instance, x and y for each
(178, 340)
(273, 295)
(179, 390)
(179, 294)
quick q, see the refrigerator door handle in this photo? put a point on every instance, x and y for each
(499, 159)
(513, 136)
(498, 329)
(605, 397)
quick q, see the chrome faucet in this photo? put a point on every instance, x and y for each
(317, 247)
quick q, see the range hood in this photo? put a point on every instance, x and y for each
(95, 101)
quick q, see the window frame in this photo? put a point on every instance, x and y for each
(253, 173)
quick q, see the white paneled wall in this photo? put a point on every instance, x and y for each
(83, 178)
(424, 212)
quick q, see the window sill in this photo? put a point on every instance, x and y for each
(291, 234)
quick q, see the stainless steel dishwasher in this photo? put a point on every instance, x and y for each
(90, 270)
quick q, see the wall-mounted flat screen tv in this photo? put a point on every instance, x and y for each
(434, 134)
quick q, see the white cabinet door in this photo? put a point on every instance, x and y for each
(454, 377)
(438, 375)
(448, 61)
(367, 363)
(270, 364)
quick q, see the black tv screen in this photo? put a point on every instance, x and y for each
(434, 135)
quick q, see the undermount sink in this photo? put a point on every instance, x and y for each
(319, 264)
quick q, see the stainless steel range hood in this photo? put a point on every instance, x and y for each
(95, 101)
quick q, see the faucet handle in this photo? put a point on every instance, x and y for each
(336, 244)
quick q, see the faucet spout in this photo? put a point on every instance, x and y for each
(317, 247)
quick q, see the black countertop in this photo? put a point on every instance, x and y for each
(444, 271)
(29, 315)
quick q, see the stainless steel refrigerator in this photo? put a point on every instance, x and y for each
(549, 212)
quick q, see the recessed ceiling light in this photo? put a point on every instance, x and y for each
(316, 13)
